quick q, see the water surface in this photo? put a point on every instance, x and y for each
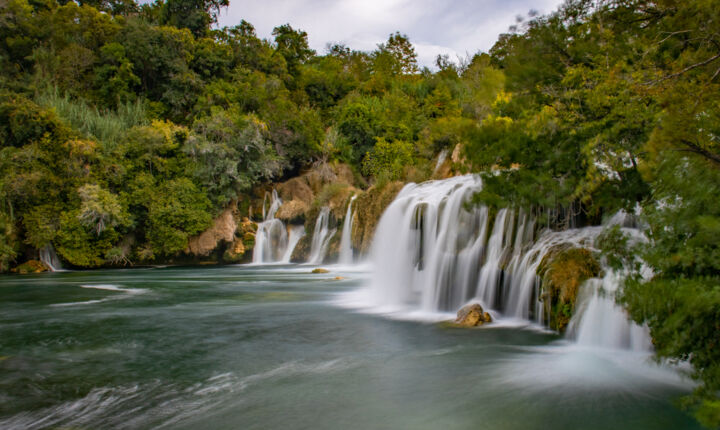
(267, 347)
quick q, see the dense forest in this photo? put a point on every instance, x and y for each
(126, 128)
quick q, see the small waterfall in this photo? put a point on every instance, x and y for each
(272, 244)
(600, 322)
(441, 159)
(496, 249)
(50, 258)
(296, 233)
(346, 250)
(432, 253)
(321, 237)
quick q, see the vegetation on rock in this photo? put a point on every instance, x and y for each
(563, 270)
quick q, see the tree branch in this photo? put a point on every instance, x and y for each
(696, 149)
(685, 70)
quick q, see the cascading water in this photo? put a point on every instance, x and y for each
(321, 237)
(432, 253)
(296, 233)
(272, 244)
(346, 250)
(600, 322)
(50, 258)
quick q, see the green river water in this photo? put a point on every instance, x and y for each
(241, 347)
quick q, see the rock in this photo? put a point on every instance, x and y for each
(338, 278)
(472, 315)
(292, 211)
(31, 266)
(247, 225)
(296, 189)
(369, 207)
(344, 174)
(249, 235)
(223, 229)
(320, 270)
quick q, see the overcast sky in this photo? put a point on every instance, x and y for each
(453, 27)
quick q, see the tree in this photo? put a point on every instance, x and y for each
(195, 15)
(292, 45)
(397, 55)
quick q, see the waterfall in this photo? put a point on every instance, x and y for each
(296, 233)
(441, 159)
(432, 253)
(600, 322)
(50, 258)
(272, 244)
(321, 237)
(346, 250)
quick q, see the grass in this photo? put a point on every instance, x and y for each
(106, 126)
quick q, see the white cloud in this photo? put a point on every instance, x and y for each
(453, 27)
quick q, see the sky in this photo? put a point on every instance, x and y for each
(453, 27)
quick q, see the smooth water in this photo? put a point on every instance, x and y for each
(258, 348)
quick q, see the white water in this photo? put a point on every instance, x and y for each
(297, 232)
(321, 237)
(272, 244)
(432, 254)
(346, 250)
(128, 292)
(50, 258)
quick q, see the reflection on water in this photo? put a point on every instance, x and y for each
(252, 347)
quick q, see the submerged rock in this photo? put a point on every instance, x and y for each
(320, 270)
(472, 315)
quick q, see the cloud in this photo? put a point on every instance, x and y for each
(453, 27)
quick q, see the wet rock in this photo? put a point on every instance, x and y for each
(338, 278)
(320, 270)
(472, 315)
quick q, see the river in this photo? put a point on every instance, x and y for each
(248, 347)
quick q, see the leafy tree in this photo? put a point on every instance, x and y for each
(396, 56)
(388, 159)
(195, 15)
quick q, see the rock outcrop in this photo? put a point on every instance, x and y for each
(293, 211)
(223, 229)
(370, 206)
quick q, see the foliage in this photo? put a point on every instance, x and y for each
(388, 159)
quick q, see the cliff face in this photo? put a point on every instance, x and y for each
(231, 237)
(223, 229)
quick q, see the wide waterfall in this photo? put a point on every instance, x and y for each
(272, 242)
(346, 249)
(321, 237)
(434, 252)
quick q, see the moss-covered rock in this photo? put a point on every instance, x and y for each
(370, 206)
(292, 212)
(31, 266)
(241, 248)
(563, 270)
(320, 270)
